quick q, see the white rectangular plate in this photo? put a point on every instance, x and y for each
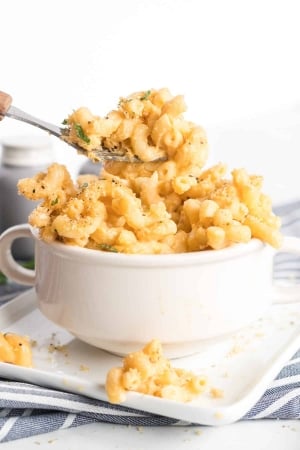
(242, 365)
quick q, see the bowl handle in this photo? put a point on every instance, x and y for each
(8, 265)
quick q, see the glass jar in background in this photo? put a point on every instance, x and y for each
(22, 157)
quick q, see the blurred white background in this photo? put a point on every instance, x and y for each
(236, 62)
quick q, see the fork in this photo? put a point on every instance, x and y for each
(98, 154)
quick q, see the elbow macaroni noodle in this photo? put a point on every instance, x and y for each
(163, 207)
(15, 349)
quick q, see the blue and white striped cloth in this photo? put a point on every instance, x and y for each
(27, 410)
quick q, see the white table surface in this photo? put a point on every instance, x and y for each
(275, 154)
(256, 435)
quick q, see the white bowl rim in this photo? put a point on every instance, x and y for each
(149, 260)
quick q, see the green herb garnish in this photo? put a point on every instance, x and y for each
(146, 95)
(81, 134)
(124, 100)
(108, 248)
(54, 202)
(84, 185)
(65, 122)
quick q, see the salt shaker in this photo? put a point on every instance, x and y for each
(22, 157)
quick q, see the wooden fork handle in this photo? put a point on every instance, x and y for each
(5, 102)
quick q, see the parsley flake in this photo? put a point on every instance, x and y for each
(81, 134)
(146, 95)
(54, 202)
(108, 248)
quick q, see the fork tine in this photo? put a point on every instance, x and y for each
(107, 155)
(104, 154)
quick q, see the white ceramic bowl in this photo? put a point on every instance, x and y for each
(118, 302)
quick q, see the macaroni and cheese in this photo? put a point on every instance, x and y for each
(15, 349)
(147, 371)
(170, 206)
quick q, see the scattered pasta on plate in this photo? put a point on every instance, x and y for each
(147, 371)
(15, 349)
(171, 206)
